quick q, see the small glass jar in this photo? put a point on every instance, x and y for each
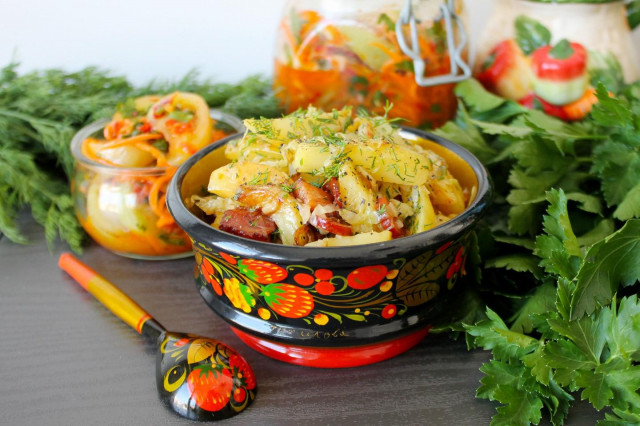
(371, 54)
(123, 208)
(553, 53)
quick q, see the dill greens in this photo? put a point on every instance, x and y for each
(40, 112)
(287, 188)
(262, 178)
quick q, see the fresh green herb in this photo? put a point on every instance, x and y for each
(41, 111)
(559, 256)
(562, 50)
(633, 12)
(262, 178)
(379, 98)
(358, 84)
(168, 239)
(387, 22)
(332, 169)
(127, 108)
(181, 116)
(296, 24)
(406, 65)
(437, 32)
(287, 188)
(224, 127)
(531, 34)
(161, 145)
(252, 97)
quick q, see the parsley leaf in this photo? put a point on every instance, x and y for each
(559, 247)
(612, 262)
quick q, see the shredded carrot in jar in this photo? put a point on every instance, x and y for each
(330, 63)
(127, 211)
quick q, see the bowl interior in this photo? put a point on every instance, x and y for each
(193, 177)
(468, 173)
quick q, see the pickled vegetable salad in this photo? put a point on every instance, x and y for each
(327, 179)
(331, 63)
(125, 208)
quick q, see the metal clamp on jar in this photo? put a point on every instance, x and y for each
(456, 49)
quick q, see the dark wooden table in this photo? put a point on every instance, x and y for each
(66, 360)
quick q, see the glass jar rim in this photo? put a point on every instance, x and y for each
(97, 126)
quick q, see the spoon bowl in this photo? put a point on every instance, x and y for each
(202, 379)
(199, 378)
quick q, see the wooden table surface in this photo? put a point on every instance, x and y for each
(66, 360)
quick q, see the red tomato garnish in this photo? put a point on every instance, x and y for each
(144, 127)
(570, 64)
(388, 220)
(117, 128)
(332, 225)
(535, 102)
(332, 186)
(178, 127)
(501, 59)
(159, 109)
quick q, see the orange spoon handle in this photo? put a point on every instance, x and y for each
(110, 296)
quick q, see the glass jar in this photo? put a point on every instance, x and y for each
(371, 54)
(552, 53)
(123, 208)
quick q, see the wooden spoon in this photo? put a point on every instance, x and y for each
(199, 378)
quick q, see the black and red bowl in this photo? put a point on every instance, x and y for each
(331, 306)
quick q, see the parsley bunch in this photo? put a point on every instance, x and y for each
(560, 256)
(39, 114)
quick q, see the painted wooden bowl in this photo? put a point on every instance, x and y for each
(331, 306)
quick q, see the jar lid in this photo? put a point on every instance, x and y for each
(576, 1)
(633, 7)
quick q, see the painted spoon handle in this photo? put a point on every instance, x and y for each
(110, 296)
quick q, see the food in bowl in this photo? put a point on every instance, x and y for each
(330, 179)
(337, 306)
(123, 166)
